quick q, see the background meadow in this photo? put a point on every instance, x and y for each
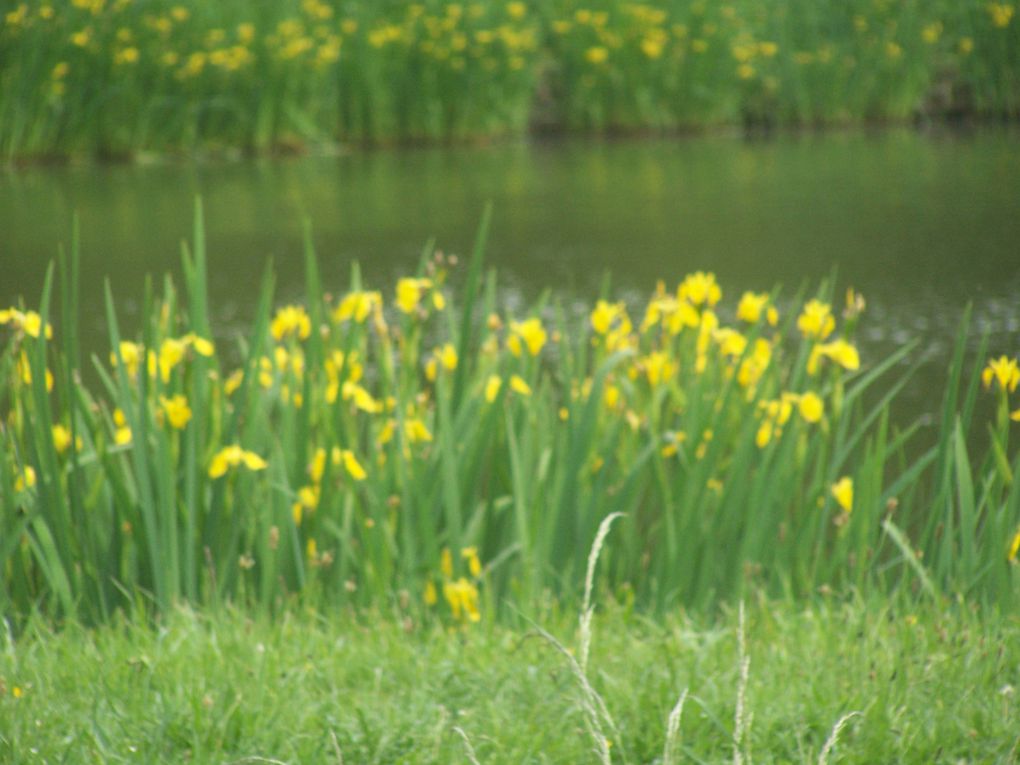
(123, 77)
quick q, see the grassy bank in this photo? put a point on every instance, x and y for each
(222, 687)
(428, 440)
(114, 77)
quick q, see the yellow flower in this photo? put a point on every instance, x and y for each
(121, 433)
(1003, 371)
(1001, 14)
(177, 410)
(362, 399)
(604, 314)
(843, 491)
(291, 320)
(597, 54)
(409, 292)
(462, 596)
(127, 55)
(202, 346)
(516, 9)
(652, 47)
(446, 563)
(811, 407)
(531, 332)
(448, 356)
(751, 305)
(430, 596)
(416, 431)
(931, 32)
(308, 499)
(518, 385)
(233, 456)
(25, 480)
(840, 351)
(492, 386)
(658, 367)
(470, 554)
(1014, 547)
(171, 352)
(699, 289)
(81, 38)
(28, 322)
(816, 322)
(62, 439)
(753, 367)
(233, 381)
(352, 466)
(358, 305)
(731, 343)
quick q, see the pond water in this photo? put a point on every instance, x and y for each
(920, 223)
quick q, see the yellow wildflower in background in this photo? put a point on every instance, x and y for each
(462, 597)
(430, 595)
(658, 368)
(446, 563)
(518, 385)
(350, 463)
(176, 410)
(409, 293)
(291, 320)
(843, 491)
(751, 306)
(1004, 371)
(811, 407)
(531, 332)
(234, 456)
(516, 9)
(470, 554)
(202, 346)
(816, 321)
(358, 305)
(1014, 547)
(1001, 14)
(28, 322)
(131, 353)
(448, 357)
(700, 288)
(25, 479)
(121, 433)
(492, 386)
(415, 431)
(62, 439)
(840, 351)
(597, 54)
(603, 316)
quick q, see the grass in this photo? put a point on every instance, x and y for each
(437, 444)
(117, 77)
(929, 684)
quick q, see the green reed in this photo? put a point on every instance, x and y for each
(432, 447)
(117, 77)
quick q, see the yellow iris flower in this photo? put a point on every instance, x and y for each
(234, 456)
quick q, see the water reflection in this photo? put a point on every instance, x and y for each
(921, 224)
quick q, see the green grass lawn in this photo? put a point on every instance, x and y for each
(936, 684)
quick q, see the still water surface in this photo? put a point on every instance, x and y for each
(922, 224)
